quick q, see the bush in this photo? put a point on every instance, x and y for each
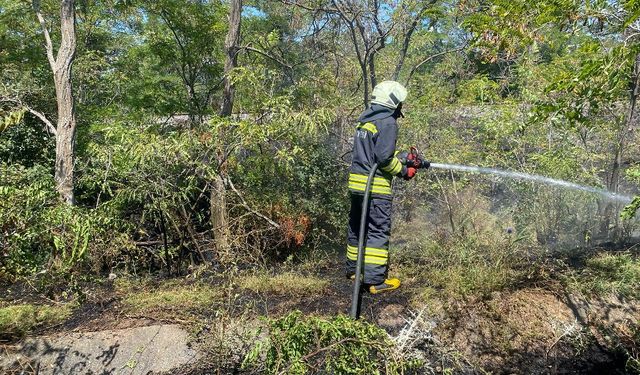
(298, 345)
(144, 180)
(25, 197)
(41, 235)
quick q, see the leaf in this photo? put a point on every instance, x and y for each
(11, 119)
(629, 212)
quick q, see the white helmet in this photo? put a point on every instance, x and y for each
(388, 94)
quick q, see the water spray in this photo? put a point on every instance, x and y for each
(537, 178)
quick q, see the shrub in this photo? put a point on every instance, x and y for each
(299, 345)
(41, 235)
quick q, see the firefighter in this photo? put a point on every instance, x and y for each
(375, 141)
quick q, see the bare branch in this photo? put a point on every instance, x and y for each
(43, 118)
(45, 30)
(307, 7)
(407, 38)
(246, 205)
(267, 55)
(39, 115)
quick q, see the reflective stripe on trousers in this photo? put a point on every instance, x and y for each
(377, 234)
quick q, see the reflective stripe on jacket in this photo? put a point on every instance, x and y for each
(375, 141)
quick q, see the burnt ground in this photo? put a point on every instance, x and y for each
(536, 329)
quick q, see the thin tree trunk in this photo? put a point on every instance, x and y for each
(218, 198)
(165, 244)
(231, 45)
(61, 66)
(365, 81)
(372, 69)
(219, 219)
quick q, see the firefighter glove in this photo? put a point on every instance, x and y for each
(408, 173)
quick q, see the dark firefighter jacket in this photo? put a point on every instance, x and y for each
(375, 141)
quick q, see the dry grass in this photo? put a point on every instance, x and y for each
(168, 297)
(288, 283)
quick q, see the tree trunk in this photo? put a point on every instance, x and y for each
(61, 66)
(218, 198)
(219, 219)
(66, 135)
(365, 82)
(231, 61)
(372, 70)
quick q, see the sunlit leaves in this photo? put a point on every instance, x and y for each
(581, 93)
(11, 118)
(503, 29)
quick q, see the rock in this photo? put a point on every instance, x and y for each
(141, 350)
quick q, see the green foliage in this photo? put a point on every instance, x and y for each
(605, 274)
(26, 144)
(11, 118)
(26, 194)
(629, 212)
(479, 90)
(178, 66)
(299, 345)
(505, 29)
(40, 233)
(18, 320)
(590, 89)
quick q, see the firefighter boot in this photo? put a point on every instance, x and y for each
(386, 286)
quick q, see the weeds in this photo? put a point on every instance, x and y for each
(609, 274)
(461, 267)
(18, 320)
(299, 345)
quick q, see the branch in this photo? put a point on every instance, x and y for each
(306, 7)
(267, 55)
(244, 203)
(47, 37)
(407, 39)
(43, 118)
(39, 115)
(413, 70)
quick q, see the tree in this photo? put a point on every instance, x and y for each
(61, 66)
(231, 46)
(219, 220)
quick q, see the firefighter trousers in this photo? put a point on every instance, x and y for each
(377, 232)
